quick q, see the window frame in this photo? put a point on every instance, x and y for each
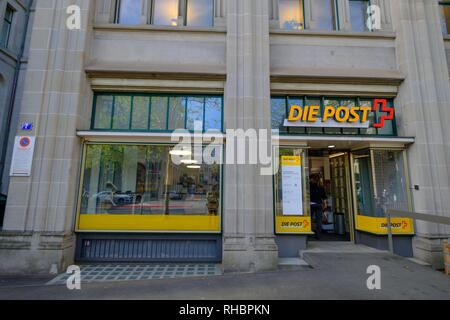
(133, 228)
(151, 12)
(7, 23)
(150, 95)
(444, 4)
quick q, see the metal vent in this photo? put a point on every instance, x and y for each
(110, 249)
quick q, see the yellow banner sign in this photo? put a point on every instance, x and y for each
(379, 225)
(291, 161)
(293, 224)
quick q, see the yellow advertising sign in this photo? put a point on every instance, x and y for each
(293, 224)
(379, 225)
(291, 161)
(108, 222)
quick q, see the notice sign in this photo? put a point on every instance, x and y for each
(22, 159)
(291, 180)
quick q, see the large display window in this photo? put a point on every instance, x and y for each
(130, 187)
(380, 180)
(291, 192)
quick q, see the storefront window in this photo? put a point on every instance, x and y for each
(445, 16)
(128, 11)
(165, 12)
(200, 12)
(380, 182)
(358, 14)
(291, 14)
(139, 187)
(323, 13)
(127, 112)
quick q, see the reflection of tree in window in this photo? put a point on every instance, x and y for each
(278, 106)
(213, 116)
(159, 113)
(194, 112)
(177, 112)
(122, 112)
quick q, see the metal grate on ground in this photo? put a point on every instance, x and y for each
(130, 272)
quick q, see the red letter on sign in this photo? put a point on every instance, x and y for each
(385, 109)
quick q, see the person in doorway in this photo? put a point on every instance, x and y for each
(318, 199)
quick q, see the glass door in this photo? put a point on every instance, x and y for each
(341, 192)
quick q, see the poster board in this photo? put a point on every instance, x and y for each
(22, 159)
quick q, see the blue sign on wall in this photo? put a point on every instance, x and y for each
(27, 126)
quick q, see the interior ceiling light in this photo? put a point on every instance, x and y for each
(189, 161)
(180, 152)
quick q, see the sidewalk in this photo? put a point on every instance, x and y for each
(335, 274)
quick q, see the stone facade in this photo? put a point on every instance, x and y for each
(247, 57)
(8, 61)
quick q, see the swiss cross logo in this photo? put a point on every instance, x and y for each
(384, 108)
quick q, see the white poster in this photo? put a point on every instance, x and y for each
(22, 158)
(291, 177)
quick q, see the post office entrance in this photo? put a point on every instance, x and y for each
(331, 172)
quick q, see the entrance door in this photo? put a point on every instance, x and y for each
(334, 172)
(341, 194)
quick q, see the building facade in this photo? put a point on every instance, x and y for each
(105, 99)
(14, 44)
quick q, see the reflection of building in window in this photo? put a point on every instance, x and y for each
(132, 179)
(358, 14)
(445, 16)
(6, 29)
(323, 14)
(157, 112)
(200, 12)
(165, 12)
(291, 14)
(128, 11)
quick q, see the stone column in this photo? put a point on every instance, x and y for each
(423, 107)
(38, 226)
(249, 242)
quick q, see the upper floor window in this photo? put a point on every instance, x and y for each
(166, 12)
(128, 11)
(156, 112)
(200, 13)
(324, 14)
(358, 14)
(445, 16)
(6, 29)
(291, 14)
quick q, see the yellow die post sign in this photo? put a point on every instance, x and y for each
(292, 220)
